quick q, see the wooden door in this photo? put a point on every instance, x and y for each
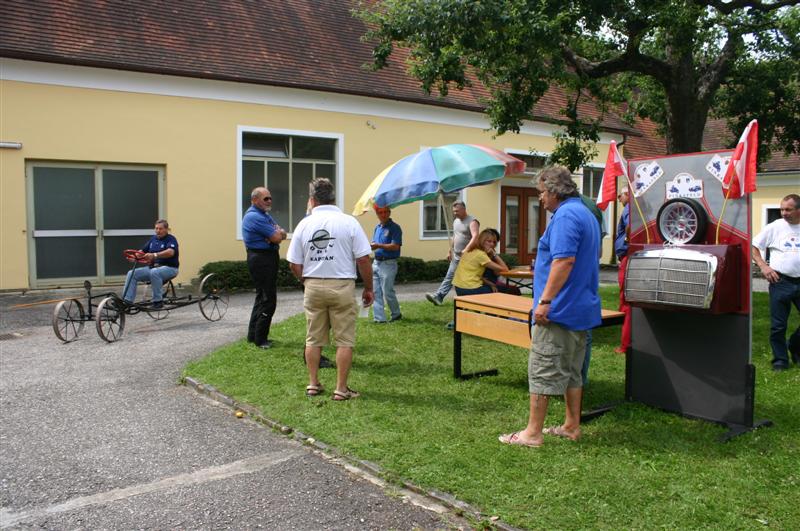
(522, 221)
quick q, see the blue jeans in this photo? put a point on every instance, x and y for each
(156, 276)
(383, 274)
(447, 283)
(474, 291)
(782, 295)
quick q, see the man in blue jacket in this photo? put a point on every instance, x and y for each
(262, 238)
(161, 251)
(387, 238)
(566, 305)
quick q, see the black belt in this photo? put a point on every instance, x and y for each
(793, 280)
(381, 259)
(261, 251)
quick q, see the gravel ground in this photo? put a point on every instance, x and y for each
(98, 435)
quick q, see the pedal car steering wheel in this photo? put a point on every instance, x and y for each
(135, 255)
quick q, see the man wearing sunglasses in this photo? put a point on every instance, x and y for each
(262, 238)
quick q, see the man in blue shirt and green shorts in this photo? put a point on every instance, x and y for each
(566, 305)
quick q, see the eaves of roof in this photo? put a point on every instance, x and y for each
(303, 44)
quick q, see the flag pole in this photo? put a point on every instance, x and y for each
(632, 195)
(722, 214)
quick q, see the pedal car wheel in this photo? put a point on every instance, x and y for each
(110, 319)
(68, 320)
(681, 221)
(214, 298)
(158, 315)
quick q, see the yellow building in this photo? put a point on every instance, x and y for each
(112, 123)
(115, 115)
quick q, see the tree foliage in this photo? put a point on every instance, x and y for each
(676, 62)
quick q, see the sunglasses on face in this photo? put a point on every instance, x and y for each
(266, 199)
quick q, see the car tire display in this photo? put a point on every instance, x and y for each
(681, 221)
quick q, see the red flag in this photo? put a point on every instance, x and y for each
(740, 176)
(615, 166)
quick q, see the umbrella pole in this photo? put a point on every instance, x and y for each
(447, 222)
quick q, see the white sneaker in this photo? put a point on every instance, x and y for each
(434, 299)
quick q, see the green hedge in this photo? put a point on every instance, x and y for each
(238, 277)
(409, 269)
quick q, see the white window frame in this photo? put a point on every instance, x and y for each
(462, 195)
(606, 215)
(765, 213)
(339, 162)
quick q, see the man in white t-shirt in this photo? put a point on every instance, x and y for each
(326, 248)
(782, 238)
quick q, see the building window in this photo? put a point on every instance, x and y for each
(533, 163)
(434, 222)
(592, 178)
(285, 163)
(590, 187)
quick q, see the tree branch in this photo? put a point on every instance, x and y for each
(729, 7)
(630, 60)
(711, 79)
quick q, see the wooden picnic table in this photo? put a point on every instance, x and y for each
(520, 276)
(500, 317)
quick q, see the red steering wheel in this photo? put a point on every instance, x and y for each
(135, 255)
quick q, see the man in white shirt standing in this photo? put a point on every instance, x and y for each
(326, 248)
(782, 238)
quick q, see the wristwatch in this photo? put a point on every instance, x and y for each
(544, 301)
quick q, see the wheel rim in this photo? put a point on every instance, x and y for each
(214, 298)
(110, 320)
(678, 223)
(158, 315)
(68, 320)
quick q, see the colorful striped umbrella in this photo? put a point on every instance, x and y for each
(434, 171)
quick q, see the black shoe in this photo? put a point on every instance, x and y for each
(796, 358)
(778, 367)
(266, 344)
(393, 319)
(325, 363)
(379, 322)
(157, 305)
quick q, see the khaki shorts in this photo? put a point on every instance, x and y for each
(555, 359)
(330, 307)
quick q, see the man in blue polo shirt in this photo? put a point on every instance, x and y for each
(566, 304)
(386, 241)
(262, 238)
(162, 252)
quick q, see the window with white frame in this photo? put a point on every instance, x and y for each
(434, 222)
(533, 163)
(590, 187)
(285, 164)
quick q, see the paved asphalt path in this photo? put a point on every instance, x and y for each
(101, 436)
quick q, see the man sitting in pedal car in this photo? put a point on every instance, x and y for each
(161, 253)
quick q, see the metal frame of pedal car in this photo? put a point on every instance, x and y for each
(70, 317)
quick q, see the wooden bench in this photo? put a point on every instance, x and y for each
(500, 317)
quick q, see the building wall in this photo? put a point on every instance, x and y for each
(194, 139)
(771, 189)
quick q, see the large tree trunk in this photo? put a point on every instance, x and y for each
(686, 111)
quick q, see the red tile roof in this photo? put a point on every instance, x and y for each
(718, 136)
(307, 44)
(715, 136)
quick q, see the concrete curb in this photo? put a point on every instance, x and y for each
(371, 471)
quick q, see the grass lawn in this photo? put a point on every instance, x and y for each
(635, 468)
